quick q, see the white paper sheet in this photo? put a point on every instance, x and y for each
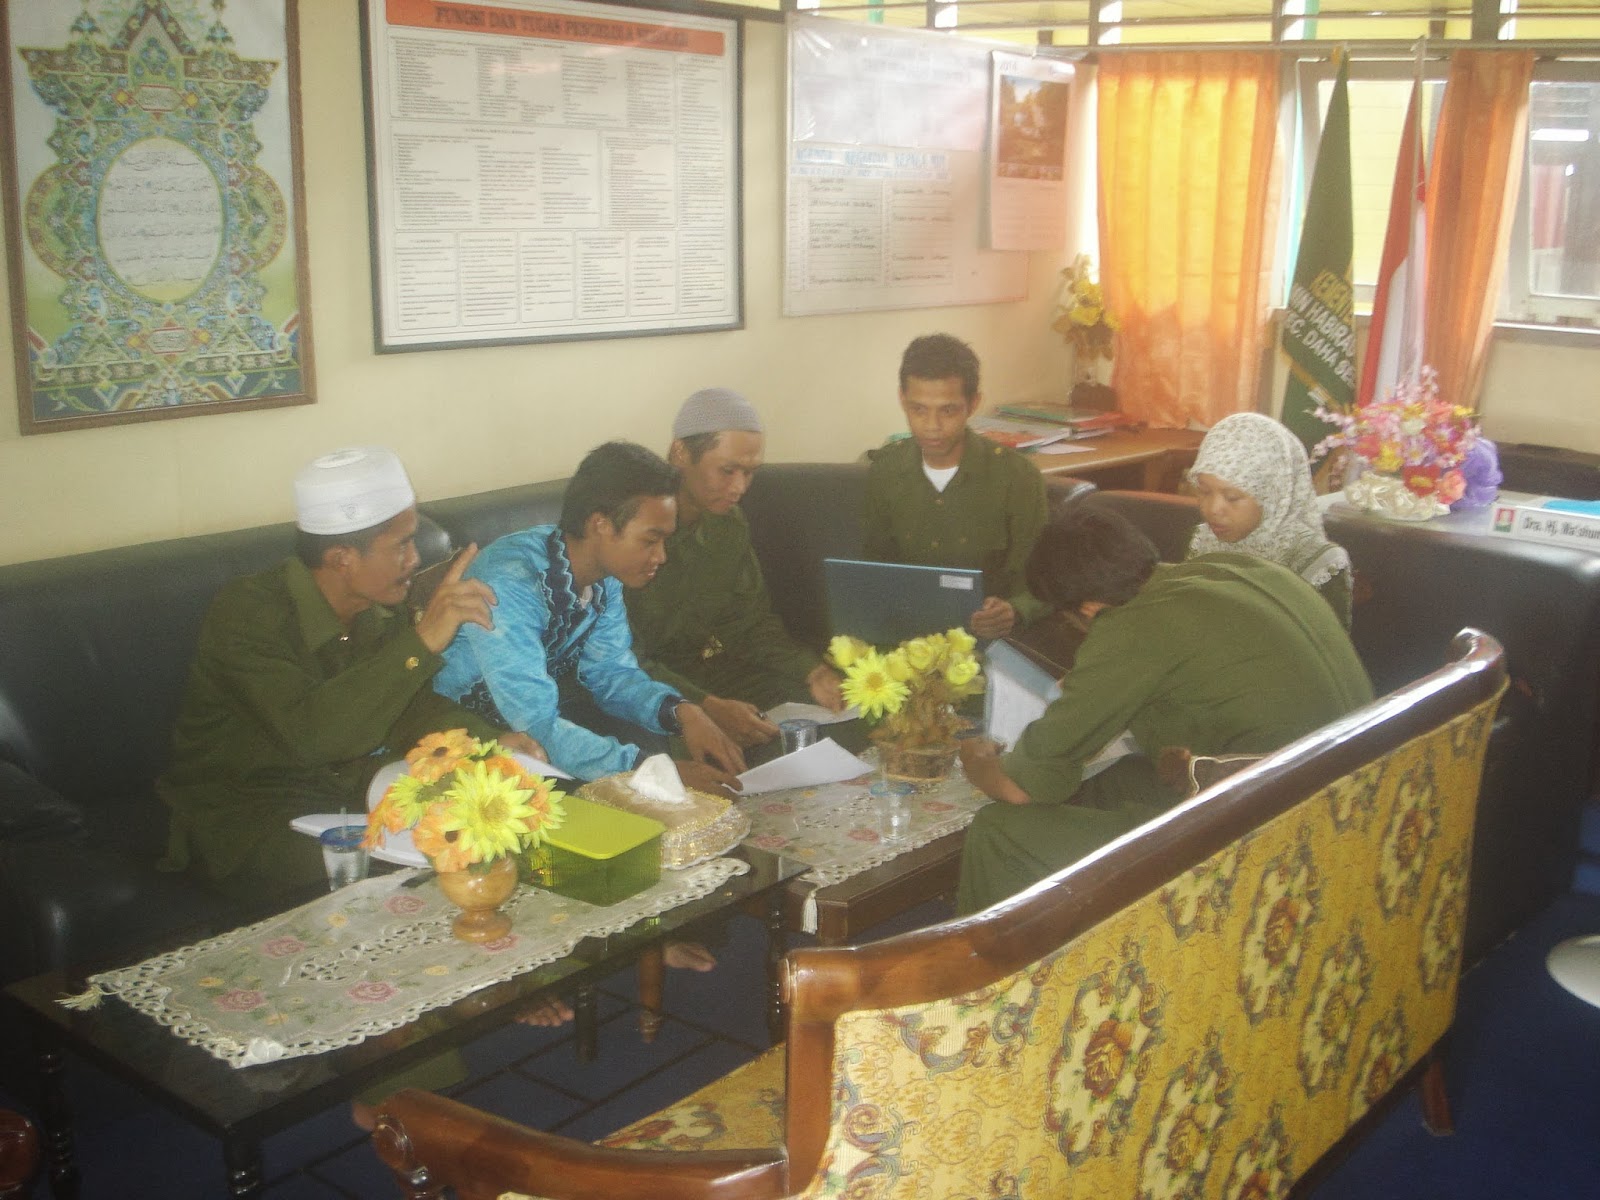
(1012, 708)
(1017, 694)
(397, 848)
(821, 762)
(791, 710)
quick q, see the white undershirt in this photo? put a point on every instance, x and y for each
(940, 477)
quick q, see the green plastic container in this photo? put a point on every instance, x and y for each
(599, 855)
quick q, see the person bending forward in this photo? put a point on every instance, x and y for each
(1224, 654)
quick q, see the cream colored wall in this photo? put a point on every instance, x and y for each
(470, 420)
(1537, 392)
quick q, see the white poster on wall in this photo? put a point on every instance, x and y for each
(553, 170)
(1027, 177)
(886, 172)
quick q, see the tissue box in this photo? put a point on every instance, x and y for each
(599, 855)
(703, 827)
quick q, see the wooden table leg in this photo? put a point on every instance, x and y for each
(652, 974)
(1155, 473)
(55, 1115)
(777, 945)
(243, 1157)
(583, 1008)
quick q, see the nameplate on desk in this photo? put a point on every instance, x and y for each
(1555, 526)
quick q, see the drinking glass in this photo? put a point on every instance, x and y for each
(797, 734)
(343, 857)
(891, 799)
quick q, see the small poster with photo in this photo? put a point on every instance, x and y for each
(1029, 102)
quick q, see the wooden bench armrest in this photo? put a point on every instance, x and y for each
(431, 1142)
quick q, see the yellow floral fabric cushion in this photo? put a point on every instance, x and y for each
(1213, 1039)
(743, 1110)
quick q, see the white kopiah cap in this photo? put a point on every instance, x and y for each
(351, 490)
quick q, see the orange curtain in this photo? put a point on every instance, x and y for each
(1472, 198)
(1186, 146)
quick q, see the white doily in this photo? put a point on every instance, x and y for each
(362, 961)
(835, 827)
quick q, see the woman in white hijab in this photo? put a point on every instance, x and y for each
(1254, 485)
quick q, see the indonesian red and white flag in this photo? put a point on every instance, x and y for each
(1394, 339)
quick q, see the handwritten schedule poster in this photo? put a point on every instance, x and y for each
(886, 172)
(551, 171)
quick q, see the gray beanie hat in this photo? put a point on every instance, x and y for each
(716, 410)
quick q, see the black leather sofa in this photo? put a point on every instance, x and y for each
(95, 648)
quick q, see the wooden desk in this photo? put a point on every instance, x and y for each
(1150, 460)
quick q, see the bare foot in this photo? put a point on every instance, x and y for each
(364, 1115)
(691, 956)
(549, 1014)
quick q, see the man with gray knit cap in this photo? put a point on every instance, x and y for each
(306, 669)
(705, 623)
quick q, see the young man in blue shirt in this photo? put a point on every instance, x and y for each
(559, 662)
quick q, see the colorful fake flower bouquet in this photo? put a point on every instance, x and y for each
(1083, 318)
(1411, 434)
(912, 690)
(468, 803)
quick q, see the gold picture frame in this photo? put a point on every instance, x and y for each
(155, 211)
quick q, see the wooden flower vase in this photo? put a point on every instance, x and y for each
(479, 895)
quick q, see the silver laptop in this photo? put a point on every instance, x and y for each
(886, 603)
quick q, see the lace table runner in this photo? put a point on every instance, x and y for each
(362, 961)
(834, 827)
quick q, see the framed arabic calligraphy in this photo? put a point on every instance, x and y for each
(154, 209)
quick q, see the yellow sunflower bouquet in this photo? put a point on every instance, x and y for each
(911, 691)
(468, 803)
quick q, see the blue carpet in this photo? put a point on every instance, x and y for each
(1523, 1070)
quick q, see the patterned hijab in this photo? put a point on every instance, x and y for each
(1264, 460)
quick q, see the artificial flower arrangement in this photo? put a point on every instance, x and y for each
(468, 803)
(1413, 435)
(912, 690)
(1083, 318)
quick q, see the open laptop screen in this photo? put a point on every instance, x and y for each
(886, 603)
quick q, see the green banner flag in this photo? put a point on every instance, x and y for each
(1318, 330)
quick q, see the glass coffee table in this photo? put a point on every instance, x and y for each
(241, 1106)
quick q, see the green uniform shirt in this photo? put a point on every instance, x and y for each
(988, 516)
(1224, 654)
(705, 623)
(281, 717)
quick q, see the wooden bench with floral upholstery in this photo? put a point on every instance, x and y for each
(1205, 1007)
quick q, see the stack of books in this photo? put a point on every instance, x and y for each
(1078, 420)
(1020, 435)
